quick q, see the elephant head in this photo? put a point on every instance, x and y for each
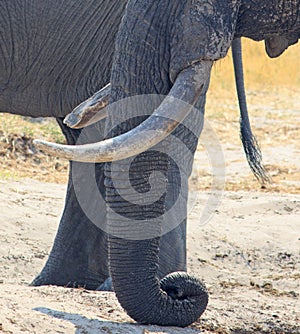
(167, 48)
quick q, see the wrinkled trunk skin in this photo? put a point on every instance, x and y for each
(53, 55)
(137, 263)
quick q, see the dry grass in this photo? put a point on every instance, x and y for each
(261, 72)
(18, 157)
(273, 90)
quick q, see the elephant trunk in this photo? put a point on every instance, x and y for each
(176, 300)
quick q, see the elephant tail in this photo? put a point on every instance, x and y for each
(250, 144)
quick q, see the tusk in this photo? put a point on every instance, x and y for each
(187, 87)
(90, 111)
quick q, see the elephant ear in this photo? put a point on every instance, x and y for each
(276, 45)
(203, 30)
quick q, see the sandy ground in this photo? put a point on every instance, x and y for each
(248, 255)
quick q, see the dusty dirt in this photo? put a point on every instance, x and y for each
(248, 255)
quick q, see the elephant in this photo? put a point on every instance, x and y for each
(166, 48)
(55, 55)
(58, 54)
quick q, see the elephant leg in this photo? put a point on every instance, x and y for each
(79, 253)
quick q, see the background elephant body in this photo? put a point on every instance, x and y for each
(53, 55)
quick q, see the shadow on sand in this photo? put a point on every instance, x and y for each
(85, 325)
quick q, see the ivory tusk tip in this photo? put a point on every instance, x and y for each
(38, 142)
(71, 121)
(42, 144)
(52, 149)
